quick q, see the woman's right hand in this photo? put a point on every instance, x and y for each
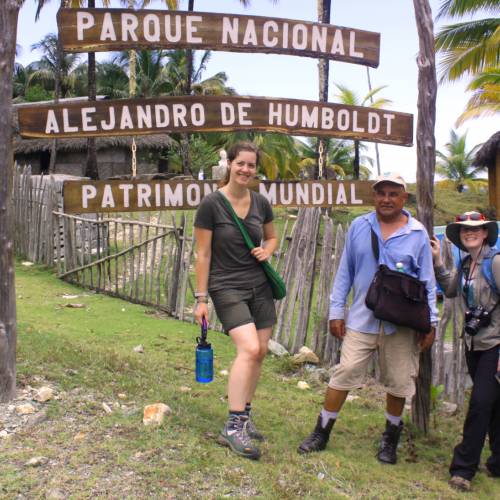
(200, 312)
(436, 251)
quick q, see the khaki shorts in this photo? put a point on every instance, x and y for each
(236, 307)
(398, 356)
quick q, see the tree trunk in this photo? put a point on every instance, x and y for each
(426, 156)
(189, 75)
(355, 163)
(9, 10)
(57, 96)
(91, 169)
(324, 8)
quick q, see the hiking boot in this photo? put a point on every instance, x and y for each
(459, 483)
(387, 452)
(235, 436)
(253, 432)
(317, 440)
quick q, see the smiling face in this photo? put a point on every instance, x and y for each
(473, 238)
(389, 200)
(243, 168)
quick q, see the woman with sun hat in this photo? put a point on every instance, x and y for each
(477, 281)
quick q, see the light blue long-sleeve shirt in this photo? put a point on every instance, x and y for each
(408, 245)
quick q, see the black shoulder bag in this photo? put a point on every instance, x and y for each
(397, 297)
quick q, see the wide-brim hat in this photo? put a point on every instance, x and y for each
(453, 229)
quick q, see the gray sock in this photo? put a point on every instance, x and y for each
(327, 415)
(392, 419)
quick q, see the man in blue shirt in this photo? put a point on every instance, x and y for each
(403, 243)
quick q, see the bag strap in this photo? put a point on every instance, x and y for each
(487, 269)
(239, 224)
(375, 248)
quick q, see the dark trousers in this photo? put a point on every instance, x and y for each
(483, 417)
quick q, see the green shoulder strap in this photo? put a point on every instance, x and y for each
(237, 220)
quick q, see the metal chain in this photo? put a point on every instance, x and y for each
(321, 159)
(134, 158)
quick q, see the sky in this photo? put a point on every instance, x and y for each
(297, 77)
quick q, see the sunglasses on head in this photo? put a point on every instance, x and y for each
(475, 216)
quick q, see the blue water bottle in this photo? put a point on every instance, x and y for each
(204, 357)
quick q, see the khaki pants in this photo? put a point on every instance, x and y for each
(398, 355)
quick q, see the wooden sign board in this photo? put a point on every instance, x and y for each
(136, 195)
(215, 113)
(93, 30)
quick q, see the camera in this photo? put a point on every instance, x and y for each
(475, 319)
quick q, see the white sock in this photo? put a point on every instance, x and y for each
(392, 419)
(327, 415)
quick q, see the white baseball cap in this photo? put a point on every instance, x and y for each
(393, 177)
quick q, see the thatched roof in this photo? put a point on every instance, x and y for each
(27, 146)
(486, 156)
(76, 144)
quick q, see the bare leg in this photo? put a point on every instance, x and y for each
(264, 336)
(334, 399)
(395, 405)
(246, 366)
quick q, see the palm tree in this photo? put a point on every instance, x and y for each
(456, 164)
(485, 99)
(469, 47)
(111, 80)
(50, 67)
(349, 97)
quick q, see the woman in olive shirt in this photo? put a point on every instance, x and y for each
(232, 275)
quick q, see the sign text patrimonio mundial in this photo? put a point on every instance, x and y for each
(137, 195)
(215, 113)
(87, 30)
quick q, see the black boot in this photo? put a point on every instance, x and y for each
(387, 452)
(317, 440)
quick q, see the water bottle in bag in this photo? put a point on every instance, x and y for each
(204, 357)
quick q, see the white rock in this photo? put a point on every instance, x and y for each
(36, 461)
(139, 348)
(107, 408)
(449, 408)
(321, 475)
(351, 397)
(44, 394)
(184, 388)
(3, 434)
(122, 395)
(155, 414)
(276, 348)
(303, 385)
(25, 409)
(26, 263)
(224, 373)
(305, 355)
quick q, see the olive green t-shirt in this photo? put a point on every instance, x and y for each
(231, 264)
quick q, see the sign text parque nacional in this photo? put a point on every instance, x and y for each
(88, 30)
(215, 113)
(136, 195)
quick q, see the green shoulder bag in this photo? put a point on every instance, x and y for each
(275, 281)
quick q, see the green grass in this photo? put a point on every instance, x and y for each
(87, 354)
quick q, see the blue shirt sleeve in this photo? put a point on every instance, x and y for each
(426, 274)
(343, 280)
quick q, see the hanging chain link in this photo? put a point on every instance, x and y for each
(134, 158)
(321, 158)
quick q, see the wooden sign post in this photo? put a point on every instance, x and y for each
(137, 196)
(216, 113)
(94, 30)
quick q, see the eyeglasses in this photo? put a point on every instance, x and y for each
(475, 216)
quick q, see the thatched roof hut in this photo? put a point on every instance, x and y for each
(489, 156)
(114, 154)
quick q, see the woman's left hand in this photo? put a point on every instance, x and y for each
(260, 253)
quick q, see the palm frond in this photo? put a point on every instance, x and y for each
(457, 8)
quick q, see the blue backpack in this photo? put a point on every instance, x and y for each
(487, 268)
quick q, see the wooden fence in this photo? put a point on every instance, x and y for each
(149, 261)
